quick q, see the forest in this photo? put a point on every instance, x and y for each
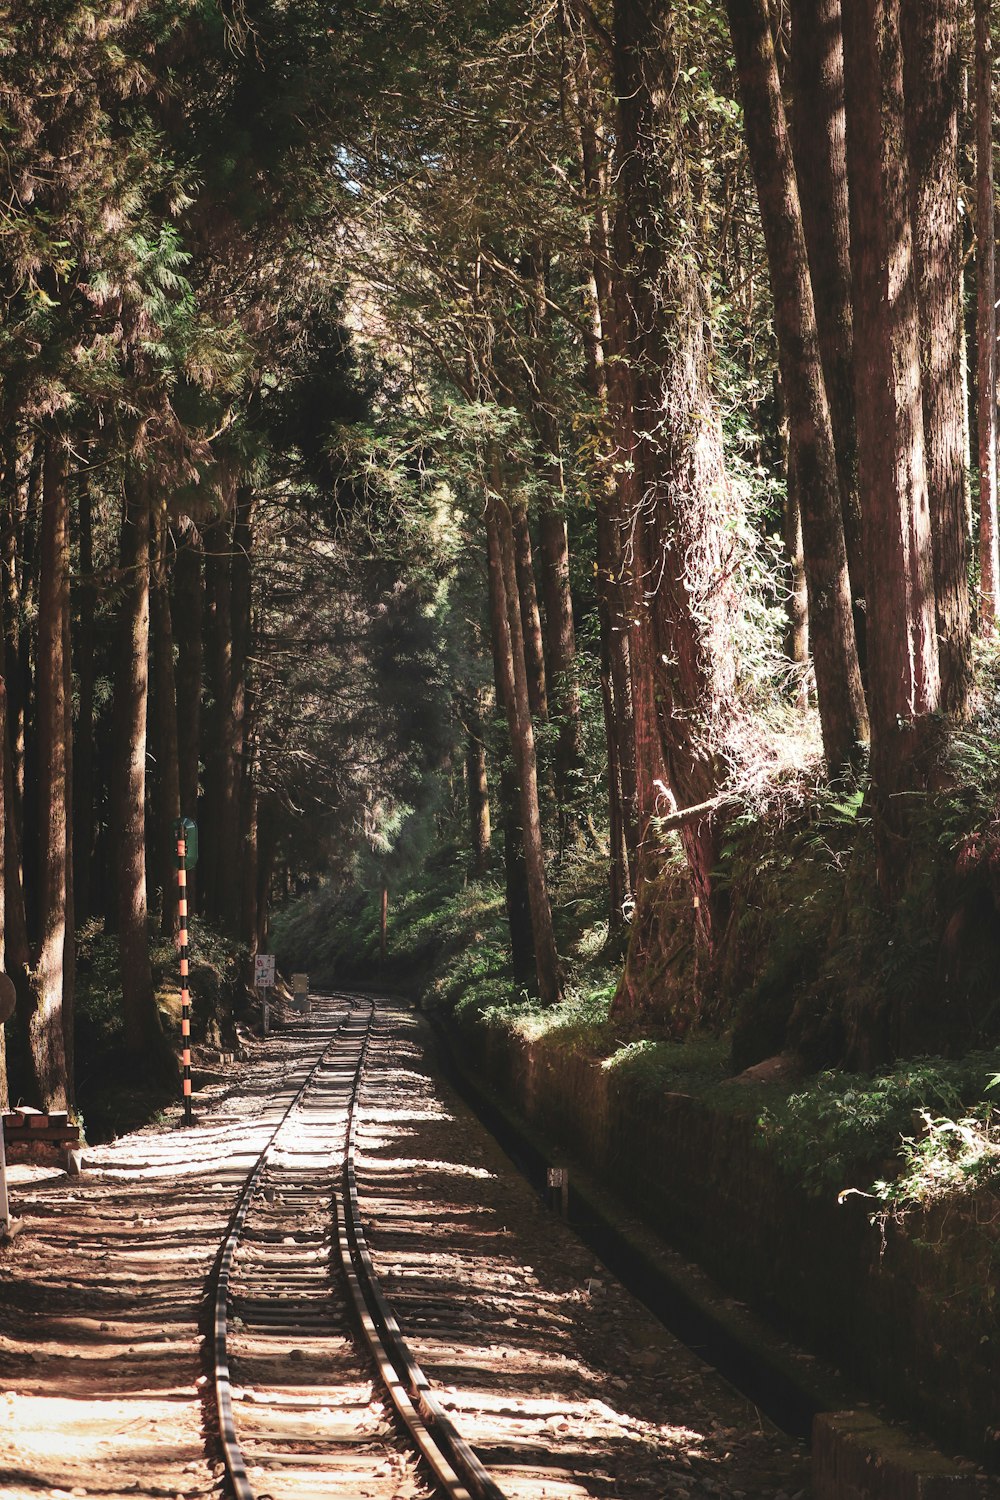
(492, 467)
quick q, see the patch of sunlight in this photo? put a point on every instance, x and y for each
(378, 1166)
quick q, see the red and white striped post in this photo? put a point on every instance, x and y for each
(182, 943)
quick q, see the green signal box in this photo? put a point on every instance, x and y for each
(187, 829)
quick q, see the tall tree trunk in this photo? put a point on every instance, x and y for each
(143, 1035)
(816, 66)
(903, 676)
(522, 943)
(839, 692)
(4, 1088)
(168, 798)
(84, 784)
(560, 639)
(218, 726)
(234, 820)
(250, 841)
(477, 790)
(522, 739)
(187, 616)
(932, 89)
(531, 621)
(69, 950)
(45, 1027)
(986, 327)
(560, 633)
(798, 599)
(617, 690)
(683, 672)
(26, 747)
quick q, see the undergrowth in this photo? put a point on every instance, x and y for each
(889, 1019)
(113, 1093)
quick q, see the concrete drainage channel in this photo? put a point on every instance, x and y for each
(855, 1455)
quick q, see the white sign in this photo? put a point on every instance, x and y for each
(263, 971)
(300, 984)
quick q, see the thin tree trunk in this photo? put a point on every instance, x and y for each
(383, 924)
(560, 640)
(168, 797)
(839, 691)
(617, 699)
(250, 840)
(798, 600)
(986, 328)
(531, 622)
(903, 676)
(478, 791)
(69, 950)
(26, 747)
(560, 634)
(187, 616)
(515, 697)
(515, 871)
(816, 67)
(143, 1035)
(932, 90)
(84, 788)
(265, 880)
(234, 819)
(45, 1028)
(4, 1087)
(218, 729)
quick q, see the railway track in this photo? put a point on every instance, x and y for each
(294, 1274)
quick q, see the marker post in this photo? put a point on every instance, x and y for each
(182, 945)
(263, 980)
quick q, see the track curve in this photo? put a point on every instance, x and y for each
(285, 1288)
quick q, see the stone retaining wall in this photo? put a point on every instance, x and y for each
(914, 1319)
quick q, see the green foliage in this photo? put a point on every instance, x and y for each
(835, 1132)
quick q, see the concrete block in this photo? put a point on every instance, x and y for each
(855, 1456)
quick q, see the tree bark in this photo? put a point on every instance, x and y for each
(903, 676)
(187, 617)
(616, 688)
(680, 506)
(69, 948)
(560, 633)
(839, 691)
(168, 783)
(84, 781)
(798, 598)
(819, 141)
(531, 621)
(4, 1088)
(986, 328)
(932, 90)
(522, 739)
(477, 790)
(143, 1036)
(45, 1027)
(235, 718)
(515, 871)
(218, 726)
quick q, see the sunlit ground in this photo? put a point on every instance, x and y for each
(101, 1300)
(565, 1385)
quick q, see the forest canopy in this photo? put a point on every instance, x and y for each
(526, 438)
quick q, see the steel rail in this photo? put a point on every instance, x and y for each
(456, 1468)
(455, 1465)
(232, 1453)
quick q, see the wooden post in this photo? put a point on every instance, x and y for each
(182, 942)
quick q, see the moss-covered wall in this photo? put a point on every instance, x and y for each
(913, 1316)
